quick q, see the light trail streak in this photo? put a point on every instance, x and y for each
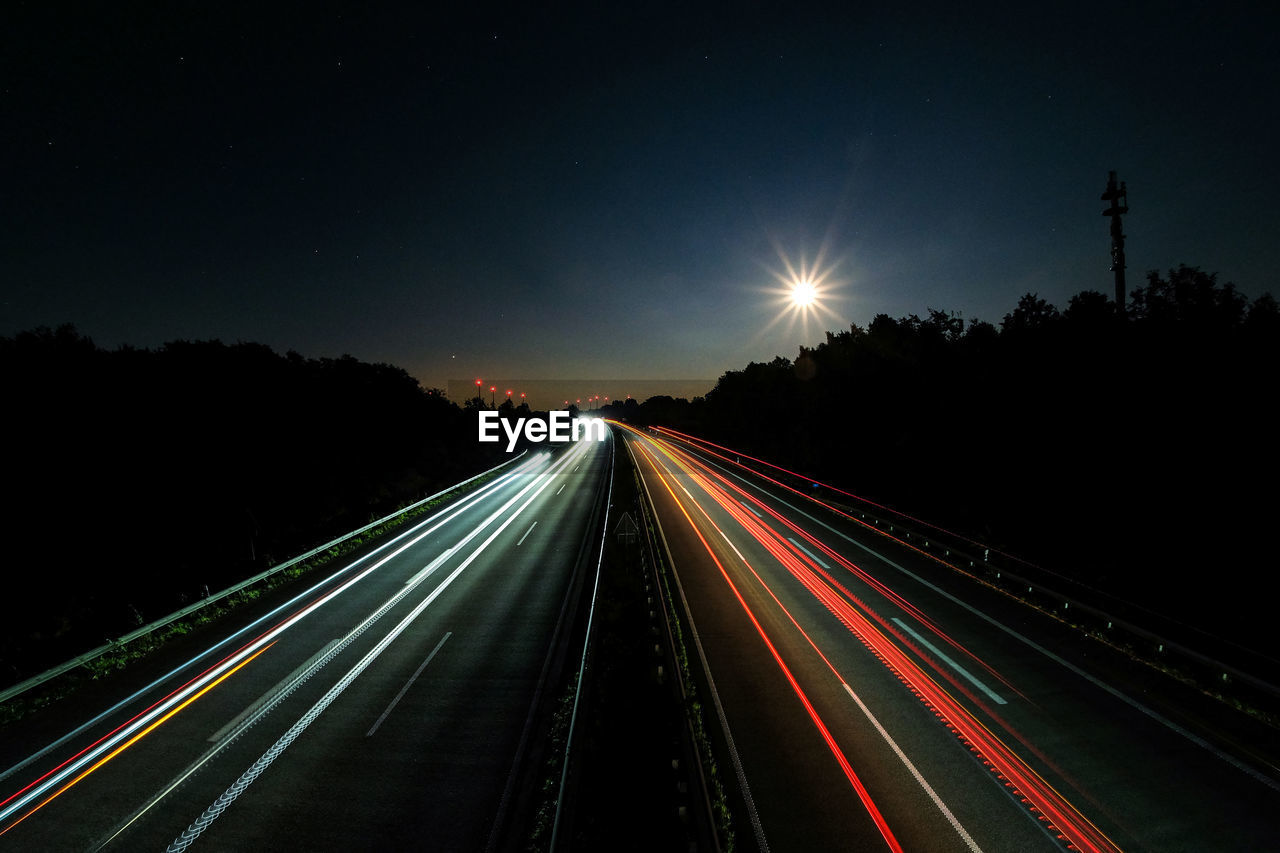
(995, 697)
(928, 789)
(1040, 798)
(35, 789)
(735, 758)
(704, 443)
(690, 462)
(137, 737)
(538, 485)
(868, 527)
(463, 501)
(703, 446)
(863, 795)
(1092, 679)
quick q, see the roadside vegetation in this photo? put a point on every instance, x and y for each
(140, 481)
(633, 784)
(124, 655)
(1124, 450)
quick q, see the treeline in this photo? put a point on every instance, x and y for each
(1126, 449)
(139, 480)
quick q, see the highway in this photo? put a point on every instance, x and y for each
(874, 700)
(396, 703)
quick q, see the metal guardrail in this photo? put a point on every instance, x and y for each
(1062, 604)
(80, 660)
(585, 661)
(953, 550)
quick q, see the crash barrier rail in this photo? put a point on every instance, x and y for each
(1027, 582)
(62, 668)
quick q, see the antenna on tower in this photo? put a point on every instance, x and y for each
(1119, 206)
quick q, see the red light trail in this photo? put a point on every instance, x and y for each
(1058, 815)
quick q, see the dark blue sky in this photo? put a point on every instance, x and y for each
(593, 193)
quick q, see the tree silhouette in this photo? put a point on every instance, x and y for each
(195, 463)
(1033, 314)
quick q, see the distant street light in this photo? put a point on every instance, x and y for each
(493, 389)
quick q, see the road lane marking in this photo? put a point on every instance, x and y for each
(268, 699)
(928, 789)
(140, 735)
(864, 795)
(1169, 724)
(582, 666)
(995, 697)
(405, 689)
(226, 735)
(527, 532)
(812, 556)
(561, 489)
(734, 757)
(432, 566)
(51, 779)
(751, 509)
(924, 784)
(189, 836)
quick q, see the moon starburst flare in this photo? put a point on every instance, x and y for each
(803, 293)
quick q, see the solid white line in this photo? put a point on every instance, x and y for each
(405, 689)
(1022, 638)
(751, 509)
(928, 789)
(812, 556)
(439, 519)
(272, 693)
(228, 733)
(527, 532)
(219, 805)
(949, 662)
(734, 757)
(432, 566)
(942, 807)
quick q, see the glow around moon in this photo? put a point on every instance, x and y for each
(804, 293)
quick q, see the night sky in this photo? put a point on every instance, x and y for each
(582, 192)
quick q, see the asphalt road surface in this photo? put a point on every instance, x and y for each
(876, 700)
(390, 706)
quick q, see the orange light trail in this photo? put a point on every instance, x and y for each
(302, 611)
(867, 578)
(869, 527)
(703, 444)
(129, 721)
(876, 816)
(755, 527)
(1040, 798)
(90, 753)
(137, 737)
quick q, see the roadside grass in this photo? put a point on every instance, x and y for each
(125, 655)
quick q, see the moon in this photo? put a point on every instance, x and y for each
(803, 293)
